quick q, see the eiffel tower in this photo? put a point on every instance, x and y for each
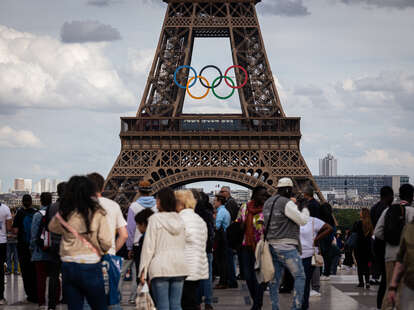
(169, 148)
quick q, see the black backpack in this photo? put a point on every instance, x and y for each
(394, 224)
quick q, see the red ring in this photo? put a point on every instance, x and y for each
(245, 77)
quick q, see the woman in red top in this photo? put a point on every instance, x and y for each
(252, 220)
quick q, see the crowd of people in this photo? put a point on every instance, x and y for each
(177, 243)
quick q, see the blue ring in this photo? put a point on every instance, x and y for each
(175, 76)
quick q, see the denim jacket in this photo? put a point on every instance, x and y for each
(37, 254)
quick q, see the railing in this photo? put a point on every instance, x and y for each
(209, 124)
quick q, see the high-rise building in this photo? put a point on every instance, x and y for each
(328, 166)
(19, 185)
(28, 185)
(53, 185)
(37, 187)
(45, 185)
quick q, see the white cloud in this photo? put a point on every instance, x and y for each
(399, 4)
(11, 138)
(388, 158)
(139, 61)
(42, 171)
(41, 72)
(284, 8)
(387, 90)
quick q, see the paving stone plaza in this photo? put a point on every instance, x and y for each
(340, 293)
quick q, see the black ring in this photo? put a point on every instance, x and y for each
(211, 66)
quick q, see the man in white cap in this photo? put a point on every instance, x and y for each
(284, 240)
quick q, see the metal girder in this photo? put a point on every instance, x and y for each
(168, 148)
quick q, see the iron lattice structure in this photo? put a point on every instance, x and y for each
(169, 148)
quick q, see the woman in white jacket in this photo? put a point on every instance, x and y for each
(195, 248)
(162, 256)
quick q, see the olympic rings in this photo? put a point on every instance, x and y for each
(201, 78)
(196, 76)
(214, 86)
(220, 75)
(245, 77)
(175, 76)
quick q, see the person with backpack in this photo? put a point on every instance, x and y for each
(22, 226)
(44, 260)
(389, 229)
(404, 269)
(5, 226)
(145, 201)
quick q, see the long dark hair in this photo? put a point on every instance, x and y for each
(80, 196)
(167, 200)
(326, 214)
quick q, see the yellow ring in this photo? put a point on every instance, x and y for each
(202, 78)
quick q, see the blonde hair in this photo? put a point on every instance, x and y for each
(186, 198)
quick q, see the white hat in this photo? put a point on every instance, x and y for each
(284, 182)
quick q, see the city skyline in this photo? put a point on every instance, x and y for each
(343, 80)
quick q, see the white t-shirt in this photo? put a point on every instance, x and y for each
(308, 234)
(4, 216)
(115, 218)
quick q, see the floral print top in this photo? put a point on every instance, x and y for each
(258, 223)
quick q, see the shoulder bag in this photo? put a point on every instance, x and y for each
(111, 266)
(317, 259)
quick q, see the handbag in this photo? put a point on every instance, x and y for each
(111, 266)
(144, 300)
(317, 259)
(352, 240)
(235, 235)
(264, 267)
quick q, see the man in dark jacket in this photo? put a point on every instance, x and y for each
(231, 204)
(22, 227)
(387, 197)
(205, 210)
(233, 208)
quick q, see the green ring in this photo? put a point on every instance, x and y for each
(214, 85)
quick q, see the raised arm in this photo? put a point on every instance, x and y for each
(292, 212)
(323, 232)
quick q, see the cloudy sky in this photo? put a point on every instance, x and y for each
(70, 69)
